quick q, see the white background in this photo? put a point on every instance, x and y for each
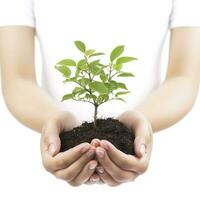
(173, 172)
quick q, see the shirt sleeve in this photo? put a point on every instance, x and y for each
(17, 12)
(185, 13)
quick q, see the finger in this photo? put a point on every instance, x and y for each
(85, 174)
(95, 142)
(64, 159)
(50, 139)
(142, 138)
(107, 179)
(74, 169)
(117, 173)
(122, 160)
(95, 178)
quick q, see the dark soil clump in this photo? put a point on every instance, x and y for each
(108, 129)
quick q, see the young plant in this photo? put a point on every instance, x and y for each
(95, 81)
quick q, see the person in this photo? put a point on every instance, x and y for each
(153, 104)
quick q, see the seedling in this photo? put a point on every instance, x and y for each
(95, 82)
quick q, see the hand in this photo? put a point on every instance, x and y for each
(75, 165)
(117, 167)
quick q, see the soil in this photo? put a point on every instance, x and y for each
(109, 129)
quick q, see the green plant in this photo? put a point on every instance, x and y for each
(94, 81)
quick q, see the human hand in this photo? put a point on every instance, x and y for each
(75, 165)
(116, 167)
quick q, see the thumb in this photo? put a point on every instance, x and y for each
(140, 147)
(50, 138)
(141, 139)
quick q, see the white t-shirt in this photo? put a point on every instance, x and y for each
(140, 25)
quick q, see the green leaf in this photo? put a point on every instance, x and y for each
(77, 90)
(94, 63)
(64, 70)
(117, 67)
(125, 59)
(89, 52)
(96, 54)
(91, 96)
(102, 65)
(112, 85)
(77, 72)
(67, 96)
(116, 52)
(121, 93)
(95, 70)
(126, 74)
(81, 92)
(121, 85)
(68, 62)
(80, 45)
(84, 81)
(103, 77)
(99, 87)
(73, 79)
(82, 64)
(102, 98)
(120, 99)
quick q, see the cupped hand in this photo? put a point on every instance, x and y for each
(75, 165)
(116, 167)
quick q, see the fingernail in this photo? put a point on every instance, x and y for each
(85, 148)
(95, 179)
(100, 153)
(100, 170)
(92, 166)
(142, 149)
(105, 144)
(52, 149)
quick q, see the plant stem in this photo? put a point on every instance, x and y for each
(95, 114)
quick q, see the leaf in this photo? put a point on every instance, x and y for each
(126, 74)
(103, 77)
(73, 79)
(84, 81)
(91, 96)
(112, 85)
(121, 93)
(80, 45)
(89, 52)
(102, 65)
(99, 87)
(67, 96)
(96, 54)
(121, 85)
(82, 64)
(125, 59)
(120, 99)
(117, 67)
(95, 70)
(77, 90)
(77, 72)
(93, 63)
(116, 52)
(68, 62)
(64, 70)
(102, 98)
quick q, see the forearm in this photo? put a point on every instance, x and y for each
(170, 102)
(28, 103)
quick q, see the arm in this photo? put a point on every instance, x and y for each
(176, 96)
(36, 110)
(25, 100)
(161, 109)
